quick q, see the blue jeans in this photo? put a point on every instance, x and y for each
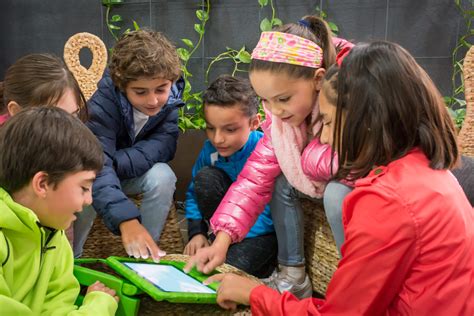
(333, 198)
(157, 186)
(288, 218)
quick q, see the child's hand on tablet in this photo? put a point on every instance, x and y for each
(197, 242)
(138, 242)
(100, 287)
(207, 259)
(233, 289)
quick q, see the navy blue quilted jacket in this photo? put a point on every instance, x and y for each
(127, 156)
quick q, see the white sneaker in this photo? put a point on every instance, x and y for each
(291, 279)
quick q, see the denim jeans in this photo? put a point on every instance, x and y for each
(288, 218)
(157, 186)
(333, 198)
(256, 255)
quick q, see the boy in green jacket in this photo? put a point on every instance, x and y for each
(48, 161)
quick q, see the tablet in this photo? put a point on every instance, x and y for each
(168, 278)
(165, 281)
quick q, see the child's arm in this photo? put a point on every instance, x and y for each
(8, 305)
(109, 201)
(244, 201)
(63, 289)
(160, 146)
(246, 198)
(377, 256)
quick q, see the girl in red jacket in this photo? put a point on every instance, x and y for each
(409, 228)
(287, 69)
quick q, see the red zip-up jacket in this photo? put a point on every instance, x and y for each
(409, 249)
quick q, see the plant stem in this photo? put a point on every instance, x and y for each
(273, 10)
(201, 35)
(109, 7)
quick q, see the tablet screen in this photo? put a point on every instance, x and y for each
(168, 278)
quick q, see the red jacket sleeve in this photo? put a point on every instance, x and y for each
(379, 250)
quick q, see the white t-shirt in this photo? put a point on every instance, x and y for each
(140, 120)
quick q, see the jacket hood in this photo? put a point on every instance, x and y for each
(14, 216)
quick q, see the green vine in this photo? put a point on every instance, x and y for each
(191, 116)
(455, 102)
(241, 56)
(266, 24)
(114, 22)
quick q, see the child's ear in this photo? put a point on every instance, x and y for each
(255, 122)
(40, 185)
(318, 78)
(13, 108)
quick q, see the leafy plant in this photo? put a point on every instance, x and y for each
(455, 102)
(268, 24)
(241, 56)
(191, 115)
(114, 22)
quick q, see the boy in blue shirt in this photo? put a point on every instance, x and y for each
(231, 113)
(134, 114)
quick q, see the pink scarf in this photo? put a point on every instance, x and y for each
(288, 144)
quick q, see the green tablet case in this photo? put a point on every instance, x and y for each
(133, 284)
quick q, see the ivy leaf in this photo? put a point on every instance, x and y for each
(333, 27)
(109, 3)
(197, 96)
(187, 87)
(188, 42)
(116, 18)
(244, 56)
(277, 22)
(202, 15)
(114, 27)
(135, 25)
(198, 28)
(263, 3)
(265, 25)
(183, 53)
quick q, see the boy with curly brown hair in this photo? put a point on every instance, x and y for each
(134, 114)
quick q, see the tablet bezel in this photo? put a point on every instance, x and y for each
(156, 293)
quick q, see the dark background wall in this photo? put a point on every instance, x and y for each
(427, 28)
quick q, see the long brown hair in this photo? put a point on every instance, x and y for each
(312, 28)
(39, 79)
(390, 106)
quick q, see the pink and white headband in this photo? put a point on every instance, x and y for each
(289, 49)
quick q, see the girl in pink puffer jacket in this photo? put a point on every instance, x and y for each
(287, 68)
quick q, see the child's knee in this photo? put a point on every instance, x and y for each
(283, 187)
(333, 198)
(159, 177)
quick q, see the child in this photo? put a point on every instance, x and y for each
(40, 79)
(134, 115)
(409, 227)
(231, 113)
(286, 72)
(46, 176)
